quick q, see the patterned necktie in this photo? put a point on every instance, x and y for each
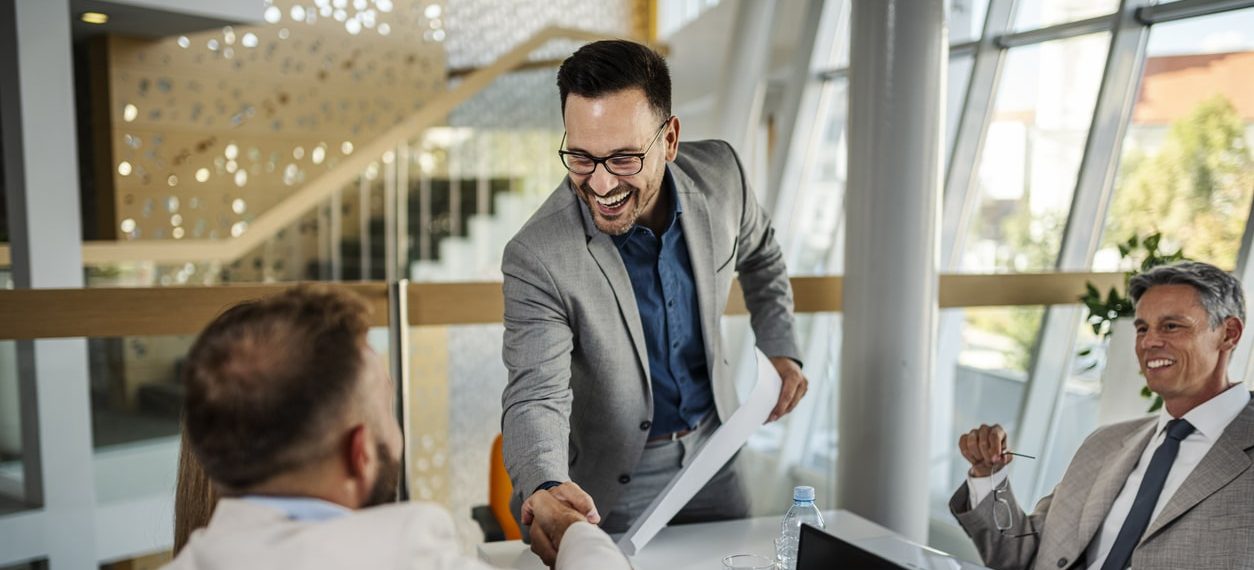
(1147, 496)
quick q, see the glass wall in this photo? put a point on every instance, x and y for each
(12, 475)
(1186, 170)
(1027, 173)
(966, 19)
(1033, 14)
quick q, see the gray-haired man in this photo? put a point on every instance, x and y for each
(1171, 491)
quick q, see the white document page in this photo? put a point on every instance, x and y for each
(722, 445)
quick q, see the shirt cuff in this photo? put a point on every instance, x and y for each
(545, 486)
(980, 487)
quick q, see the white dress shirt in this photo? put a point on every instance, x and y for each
(309, 534)
(1209, 419)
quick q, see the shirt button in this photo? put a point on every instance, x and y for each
(1062, 562)
(624, 479)
(674, 345)
(670, 303)
(645, 425)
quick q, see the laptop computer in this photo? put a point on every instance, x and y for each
(818, 550)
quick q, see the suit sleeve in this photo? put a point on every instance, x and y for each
(586, 546)
(538, 341)
(763, 276)
(998, 551)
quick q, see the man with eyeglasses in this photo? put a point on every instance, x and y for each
(613, 294)
(1174, 490)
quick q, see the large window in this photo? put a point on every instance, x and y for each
(1186, 169)
(966, 19)
(818, 212)
(1027, 174)
(1032, 14)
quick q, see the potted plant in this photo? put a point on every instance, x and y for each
(1105, 311)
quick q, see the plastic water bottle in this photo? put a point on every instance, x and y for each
(802, 511)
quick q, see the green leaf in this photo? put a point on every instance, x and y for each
(1157, 405)
(1086, 351)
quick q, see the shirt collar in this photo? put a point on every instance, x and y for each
(668, 190)
(1212, 417)
(300, 508)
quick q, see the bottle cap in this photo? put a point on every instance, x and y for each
(803, 493)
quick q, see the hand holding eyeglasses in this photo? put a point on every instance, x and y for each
(987, 449)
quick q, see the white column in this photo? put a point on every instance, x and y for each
(41, 185)
(896, 104)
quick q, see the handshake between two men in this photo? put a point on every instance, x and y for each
(550, 512)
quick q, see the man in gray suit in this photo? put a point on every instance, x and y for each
(613, 294)
(1170, 491)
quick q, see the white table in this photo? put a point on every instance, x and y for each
(703, 546)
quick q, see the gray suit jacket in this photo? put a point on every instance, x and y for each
(579, 391)
(1208, 523)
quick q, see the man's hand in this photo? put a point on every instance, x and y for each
(793, 388)
(550, 516)
(986, 449)
(570, 494)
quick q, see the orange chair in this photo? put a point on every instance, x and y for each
(495, 519)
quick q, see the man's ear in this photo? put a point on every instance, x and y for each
(358, 451)
(672, 140)
(1233, 328)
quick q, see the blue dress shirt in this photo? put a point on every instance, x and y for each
(666, 296)
(300, 508)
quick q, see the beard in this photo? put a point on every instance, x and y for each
(386, 483)
(622, 222)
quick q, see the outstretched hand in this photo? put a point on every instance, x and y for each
(550, 512)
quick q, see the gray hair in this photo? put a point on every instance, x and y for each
(1219, 292)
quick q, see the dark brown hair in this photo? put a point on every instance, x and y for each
(267, 380)
(610, 66)
(194, 498)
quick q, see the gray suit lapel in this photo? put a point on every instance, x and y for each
(697, 232)
(1224, 462)
(606, 255)
(1110, 481)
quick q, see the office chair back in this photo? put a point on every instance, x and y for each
(499, 491)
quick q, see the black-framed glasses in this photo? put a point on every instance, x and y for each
(621, 164)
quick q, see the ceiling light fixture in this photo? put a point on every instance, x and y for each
(94, 17)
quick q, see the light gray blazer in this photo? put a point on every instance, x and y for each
(1208, 523)
(579, 391)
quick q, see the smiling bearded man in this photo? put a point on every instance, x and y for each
(614, 292)
(1175, 490)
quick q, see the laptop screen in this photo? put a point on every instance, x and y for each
(818, 550)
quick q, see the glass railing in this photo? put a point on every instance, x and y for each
(453, 358)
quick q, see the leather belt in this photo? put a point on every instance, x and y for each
(674, 436)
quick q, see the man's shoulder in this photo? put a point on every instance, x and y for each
(1116, 433)
(699, 157)
(556, 217)
(250, 537)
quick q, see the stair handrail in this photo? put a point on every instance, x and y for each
(288, 211)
